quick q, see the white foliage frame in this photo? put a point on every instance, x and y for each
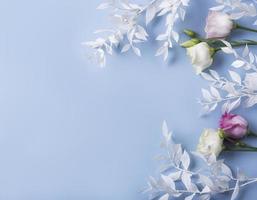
(220, 178)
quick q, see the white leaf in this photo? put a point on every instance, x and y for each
(205, 197)
(251, 81)
(226, 170)
(206, 95)
(175, 35)
(165, 55)
(251, 57)
(237, 15)
(169, 19)
(182, 14)
(165, 129)
(224, 108)
(190, 197)
(238, 63)
(164, 197)
(235, 104)
(227, 50)
(161, 51)
(214, 74)
(175, 175)
(207, 76)
(206, 189)
(246, 51)
(103, 6)
(141, 34)
(162, 37)
(205, 181)
(130, 34)
(136, 51)
(166, 134)
(185, 2)
(217, 8)
(108, 49)
(230, 88)
(135, 6)
(125, 48)
(215, 93)
(235, 77)
(227, 44)
(169, 182)
(150, 13)
(142, 31)
(241, 176)
(251, 101)
(186, 180)
(213, 107)
(185, 160)
(236, 191)
(177, 150)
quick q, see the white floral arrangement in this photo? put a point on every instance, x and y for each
(177, 178)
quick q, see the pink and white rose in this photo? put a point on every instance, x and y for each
(218, 25)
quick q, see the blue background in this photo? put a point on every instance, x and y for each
(70, 130)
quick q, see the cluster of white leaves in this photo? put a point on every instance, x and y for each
(237, 8)
(126, 18)
(178, 180)
(173, 9)
(231, 93)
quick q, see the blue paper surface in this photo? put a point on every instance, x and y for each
(70, 130)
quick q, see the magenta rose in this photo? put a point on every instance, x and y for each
(234, 126)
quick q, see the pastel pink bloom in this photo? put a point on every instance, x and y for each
(234, 126)
(218, 25)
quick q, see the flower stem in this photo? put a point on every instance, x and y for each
(243, 42)
(238, 44)
(250, 133)
(252, 149)
(237, 26)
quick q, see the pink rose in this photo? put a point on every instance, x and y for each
(234, 126)
(218, 25)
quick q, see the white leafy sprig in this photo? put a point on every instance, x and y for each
(102, 46)
(126, 17)
(247, 60)
(173, 10)
(237, 8)
(231, 93)
(178, 180)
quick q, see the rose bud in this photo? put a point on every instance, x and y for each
(218, 25)
(210, 143)
(200, 56)
(234, 126)
(190, 43)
